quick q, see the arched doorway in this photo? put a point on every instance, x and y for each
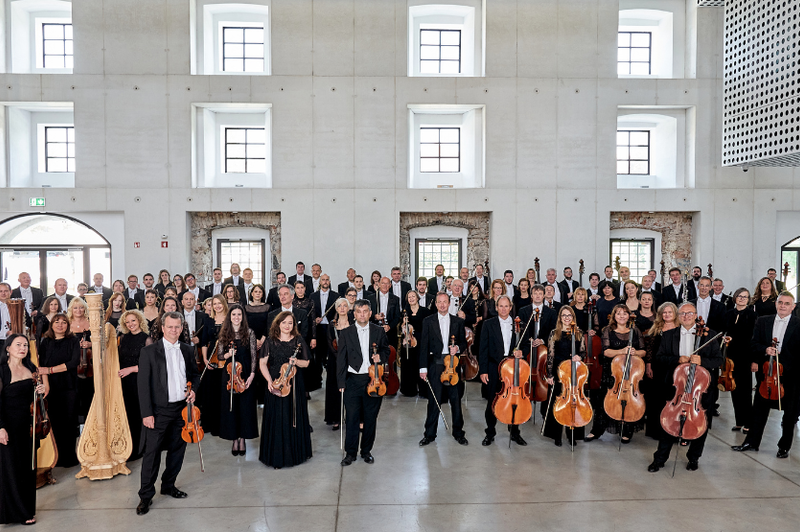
(49, 247)
(789, 253)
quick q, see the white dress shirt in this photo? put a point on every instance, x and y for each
(176, 371)
(455, 302)
(718, 297)
(27, 295)
(506, 328)
(216, 289)
(132, 293)
(444, 329)
(63, 301)
(247, 288)
(556, 292)
(779, 329)
(383, 303)
(5, 318)
(510, 290)
(687, 341)
(360, 294)
(397, 289)
(98, 289)
(235, 280)
(323, 303)
(677, 288)
(422, 302)
(363, 340)
(301, 278)
(439, 283)
(703, 308)
(315, 283)
(189, 321)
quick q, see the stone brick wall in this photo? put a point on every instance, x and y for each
(203, 223)
(476, 223)
(675, 229)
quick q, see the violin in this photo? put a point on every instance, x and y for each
(624, 402)
(572, 408)
(41, 426)
(282, 386)
(408, 333)
(213, 361)
(537, 387)
(235, 382)
(594, 348)
(390, 372)
(192, 432)
(449, 376)
(376, 386)
(512, 405)
(684, 416)
(85, 366)
(771, 387)
(726, 382)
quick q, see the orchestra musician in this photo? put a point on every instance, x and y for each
(342, 288)
(134, 297)
(164, 281)
(436, 283)
(300, 276)
(593, 290)
(773, 276)
(560, 292)
(569, 283)
(718, 286)
(480, 279)
(765, 298)
(215, 287)
(340, 321)
(399, 287)
(34, 297)
(134, 337)
(355, 356)
(272, 296)
(658, 383)
(386, 309)
(435, 344)
(410, 384)
(740, 322)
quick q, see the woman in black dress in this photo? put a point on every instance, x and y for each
(410, 382)
(312, 375)
(374, 281)
(238, 421)
(523, 298)
(208, 399)
(256, 312)
(615, 342)
(604, 305)
(179, 283)
(79, 325)
(50, 308)
(150, 310)
(339, 322)
(169, 304)
(285, 438)
(741, 321)
(580, 305)
(496, 290)
(765, 297)
(559, 349)
(134, 337)
(231, 294)
(17, 481)
(59, 356)
(116, 306)
(163, 282)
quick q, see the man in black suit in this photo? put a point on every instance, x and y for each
(594, 286)
(272, 296)
(215, 287)
(303, 278)
(199, 324)
(357, 351)
(286, 297)
(245, 286)
(61, 294)
(560, 292)
(569, 283)
(436, 283)
(399, 287)
(34, 297)
(772, 273)
(654, 276)
(425, 300)
(134, 297)
(164, 369)
(549, 297)
(98, 288)
(342, 288)
(539, 330)
(784, 327)
(324, 300)
(482, 280)
(235, 277)
(609, 278)
(386, 309)
(437, 331)
(674, 291)
(711, 310)
(200, 295)
(647, 286)
(676, 348)
(718, 286)
(509, 287)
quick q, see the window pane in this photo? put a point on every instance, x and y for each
(640, 40)
(622, 167)
(624, 54)
(54, 47)
(233, 50)
(450, 67)
(253, 65)
(449, 135)
(257, 151)
(623, 39)
(431, 253)
(429, 37)
(641, 154)
(71, 165)
(450, 52)
(236, 151)
(235, 166)
(235, 135)
(254, 35)
(56, 134)
(256, 166)
(71, 134)
(428, 135)
(256, 136)
(54, 61)
(622, 138)
(640, 54)
(428, 150)
(448, 165)
(71, 150)
(233, 35)
(57, 150)
(449, 150)
(622, 153)
(57, 165)
(639, 138)
(451, 38)
(68, 61)
(429, 67)
(68, 47)
(233, 65)
(639, 168)
(640, 69)
(429, 165)
(429, 52)
(53, 31)
(254, 51)
(68, 31)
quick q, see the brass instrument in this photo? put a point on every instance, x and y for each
(105, 443)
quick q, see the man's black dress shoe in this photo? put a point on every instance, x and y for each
(144, 506)
(692, 465)
(174, 493)
(715, 413)
(462, 441)
(368, 458)
(782, 453)
(516, 438)
(487, 441)
(744, 447)
(654, 467)
(558, 443)
(349, 459)
(425, 441)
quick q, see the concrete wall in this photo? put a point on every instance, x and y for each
(551, 96)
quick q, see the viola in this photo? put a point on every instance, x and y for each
(684, 416)
(771, 387)
(235, 382)
(41, 426)
(624, 402)
(85, 366)
(282, 386)
(408, 333)
(192, 431)
(572, 408)
(390, 372)
(594, 349)
(537, 386)
(726, 382)
(449, 375)
(376, 386)
(213, 361)
(512, 405)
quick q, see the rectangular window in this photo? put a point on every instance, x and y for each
(635, 254)
(634, 53)
(245, 150)
(633, 152)
(59, 148)
(430, 253)
(440, 51)
(242, 49)
(56, 45)
(439, 149)
(245, 253)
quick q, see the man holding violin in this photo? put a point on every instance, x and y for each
(784, 327)
(443, 337)
(164, 369)
(354, 358)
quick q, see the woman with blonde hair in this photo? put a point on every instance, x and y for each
(134, 336)
(79, 325)
(657, 384)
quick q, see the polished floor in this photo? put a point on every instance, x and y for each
(446, 487)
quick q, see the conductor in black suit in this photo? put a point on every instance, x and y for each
(34, 297)
(354, 357)
(435, 344)
(164, 369)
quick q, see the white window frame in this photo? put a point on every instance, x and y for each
(638, 234)
(23, 26)
(207, 18)
(665, 20)
(209, 121)
(469, 16)
(244, 233)
(443, 232)
(471, 120)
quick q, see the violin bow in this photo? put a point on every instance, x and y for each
(466, 296)
(446, 426)
(33, 426)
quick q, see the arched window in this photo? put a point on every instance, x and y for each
(49, 247)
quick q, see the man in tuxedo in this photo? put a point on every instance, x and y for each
(625, 276)
(324, 300)
(482, 280)
(302, 277)
(358, 285)
(386, 309)
(215, 287)
(61, 294)
(676, 348)
(235, 277)
(272, 296)
(549, 297)
(435, 343)
(316, 272)
(718, 286)
(697, 273)
(34, 297)
(436, 283)
(547, 320)
(196, 320)
(609, 278)
(711, 310)
(647, 286)
(674, 291)
(98, 288)
(569, 283)
(560, 292)
(463, 274)
(342, 288)
(360, 345)
(594, 286)
(772, 273)
(654, 275)
(134, 297)
(784, 327)
(200, 295)
(164, 369)
(425, 300)
(399, 287)
(285, 299)
(245, 286)
(510, 288)
(148, 281)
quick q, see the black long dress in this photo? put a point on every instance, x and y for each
(257, 322)
(130, 345)
(242, 421)
(285, 435)
(333, 406)
(85, 385)
(558, 352)
(603, 308)
(17, 480)
(114, 317)
(765, 308)
(657, 390)
(63, 397)
(410, 383)
(208, 391)
(313, 373)
(740, 325)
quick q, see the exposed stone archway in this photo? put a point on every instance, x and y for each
(675, 229)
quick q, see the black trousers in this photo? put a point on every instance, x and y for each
(359, 405)
(693, 453)
(552, 428)
(449, 393)
(742, 395)
(492, 390)
(165, 434)
(761, 411)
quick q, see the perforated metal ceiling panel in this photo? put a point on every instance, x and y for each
(761, 124)
(711, 3)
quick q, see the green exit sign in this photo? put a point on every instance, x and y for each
(36, 202)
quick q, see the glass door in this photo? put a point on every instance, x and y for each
(64, 264)
(13, 262)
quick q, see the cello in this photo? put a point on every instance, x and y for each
(512, 405)
(593, 350)
(376, 386)
(536, 269)
(192, 432)
(449, 376)
(624, 402)
(771, 387)
(537, 387)
(572, 409)
(581, 269)
(726, 382)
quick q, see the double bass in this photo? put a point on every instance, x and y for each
(624, 402)
(537, 387)
(771, 387)
(572, 409)
(512, 405)
(594, 348)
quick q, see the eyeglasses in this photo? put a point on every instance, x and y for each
(682, 314)
(742, 296)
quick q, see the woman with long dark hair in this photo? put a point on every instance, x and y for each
(163, 282)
